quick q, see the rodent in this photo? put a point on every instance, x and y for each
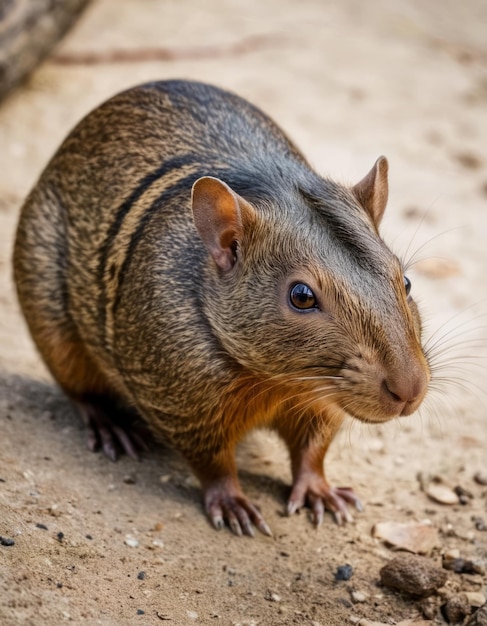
(179, 257)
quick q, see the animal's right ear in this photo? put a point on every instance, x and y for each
(219, 214)
(373, 190)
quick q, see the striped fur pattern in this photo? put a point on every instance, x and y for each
(124, 300)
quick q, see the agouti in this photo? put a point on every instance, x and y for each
(180, 258)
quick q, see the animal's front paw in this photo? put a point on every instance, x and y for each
(313, 489)
(226, 504)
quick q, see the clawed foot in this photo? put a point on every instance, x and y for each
(315, 491)
(227, 504)
(110, 435)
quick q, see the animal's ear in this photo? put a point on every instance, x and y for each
(373, 190)
(219, 215)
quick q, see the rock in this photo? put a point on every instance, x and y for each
(6, 541)
(130, 541)
(462, 566)
(413, 574)
(476, 598)
(417, 537)
(456, 609)
(359, 596)
(272, 597)
(430, 607)
(480, 479)
(449, 555)
(344, 572)
(464, 496)
(437, 489)
(479, 618)
(441, 493)
(480, 523)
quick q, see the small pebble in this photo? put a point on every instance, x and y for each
(476, 598)
(41, 526)
(272, 597)
(456, 609)
(462, 566)
(344, 572)
(430, 607)
(88, 537)
(60, 536)
(413, 574)
(359, 596)
(441, 493)
(479, 618)
(131, 542)
(141, 575)
(5, 541)
(59, 585)
(464, 496)
(480, 479)
(140, 612)
(130, 479)
(454, 553)
(480, 523)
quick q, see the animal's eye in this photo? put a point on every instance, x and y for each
(407, 285)
(302, 297)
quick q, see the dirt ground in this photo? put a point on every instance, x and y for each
(126, 543)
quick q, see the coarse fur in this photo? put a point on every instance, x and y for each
(154, 261)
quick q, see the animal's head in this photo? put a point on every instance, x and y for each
(302, 288)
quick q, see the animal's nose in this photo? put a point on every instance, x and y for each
(407, 388)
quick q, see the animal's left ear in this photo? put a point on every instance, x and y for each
(373, 190)
(221, 217)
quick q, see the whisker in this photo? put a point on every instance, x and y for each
(420, 224)
(430, 346)
(434, 335)
(409, 262)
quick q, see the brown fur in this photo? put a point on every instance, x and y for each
(155, 262)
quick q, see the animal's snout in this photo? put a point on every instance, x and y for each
(405, 390)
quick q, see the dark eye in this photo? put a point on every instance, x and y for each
(407, 285)
(302, 297)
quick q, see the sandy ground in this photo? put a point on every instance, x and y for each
(348, 81)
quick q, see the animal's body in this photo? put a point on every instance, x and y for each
(179, 256)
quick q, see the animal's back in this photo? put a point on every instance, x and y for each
(137, 153)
